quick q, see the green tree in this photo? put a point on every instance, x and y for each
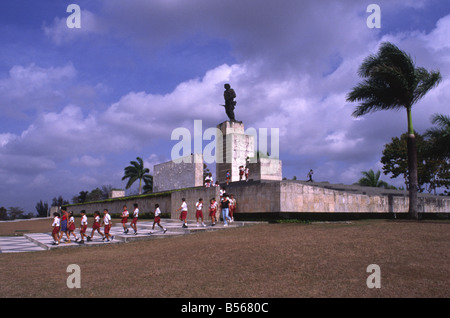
(59, 201)
(440, 136)
(95, 195)
(3, 213)
(42, 209)
(393, 82)
(440, 148)
(137, 171)
(15, 213)
(148, 185)
(432, 171)
(106, 190)
(372, 179)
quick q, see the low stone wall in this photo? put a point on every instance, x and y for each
(278, 197)
(291, 196)
(192, 195)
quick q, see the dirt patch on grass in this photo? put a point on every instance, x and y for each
(273, 260)
(13, 228)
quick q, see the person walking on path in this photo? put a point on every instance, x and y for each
(213, 210)
(96, 226)
(55, 228)
(225, 210)
(83, 226)
(233, 205)
(199, 212)
(135, 218)
(71, 227)
(64, 220)
(124, 216)
(157, 219)
(108, 223)
(184, 210)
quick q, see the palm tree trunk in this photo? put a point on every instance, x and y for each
(140, 186)
(412, 168)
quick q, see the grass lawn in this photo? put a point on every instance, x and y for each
(270, 260)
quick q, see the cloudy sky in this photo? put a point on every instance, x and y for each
(77, 105)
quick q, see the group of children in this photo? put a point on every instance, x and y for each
(65, 224)
(209, 181)
(244, 172)
(226, 207)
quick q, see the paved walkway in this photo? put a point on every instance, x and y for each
(44, 241)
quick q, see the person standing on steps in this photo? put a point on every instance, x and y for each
(310, 173)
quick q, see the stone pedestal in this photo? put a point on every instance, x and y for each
(235, 150)
(265, 169)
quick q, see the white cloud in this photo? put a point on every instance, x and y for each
(6, 138)
(34, 88)
(60, 33)
(87, 161)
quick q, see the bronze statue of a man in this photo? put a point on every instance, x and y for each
(229, 96)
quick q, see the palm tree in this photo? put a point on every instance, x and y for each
(136, 171)
(372, 179)
(148, 184)
(393, 82)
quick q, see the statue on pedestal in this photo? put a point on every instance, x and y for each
(229, 96)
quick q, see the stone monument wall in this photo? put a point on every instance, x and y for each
(234, 150)
(186, 172)
(265, 169)
(276, 197)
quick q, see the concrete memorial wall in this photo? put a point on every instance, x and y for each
(264, 192)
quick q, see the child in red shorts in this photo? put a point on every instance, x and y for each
(71, 226)
(199, 211)
(96, 226)
(124, 217)
(83, 226)
(157, 219)
(183, 214)
(212, 211)
(56, 226)
(108, 223)
(135, 218)
(233, 206)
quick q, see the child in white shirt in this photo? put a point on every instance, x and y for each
(199, 211)
(56, 227)
(157, 219)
